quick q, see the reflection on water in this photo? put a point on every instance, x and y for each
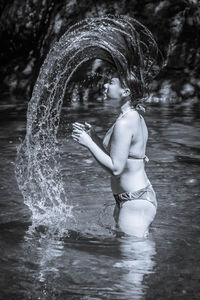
(137, 261)
(105, 268)
(92, 262)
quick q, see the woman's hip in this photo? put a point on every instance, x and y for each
(147, 193)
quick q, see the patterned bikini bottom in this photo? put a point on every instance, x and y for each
(147, 193)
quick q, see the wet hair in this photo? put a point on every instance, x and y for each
(125, 44)
(143, 59)
(135, 55)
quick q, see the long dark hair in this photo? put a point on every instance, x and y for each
(135, 56)
(122, 42)
(143, 59)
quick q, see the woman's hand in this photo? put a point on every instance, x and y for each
(90, 130)
(80, 135)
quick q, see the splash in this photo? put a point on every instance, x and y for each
(120, 41)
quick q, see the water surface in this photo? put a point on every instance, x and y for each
(92, 262)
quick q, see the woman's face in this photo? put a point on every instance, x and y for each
(113, 89)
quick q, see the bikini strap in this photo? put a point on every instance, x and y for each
(120, 116)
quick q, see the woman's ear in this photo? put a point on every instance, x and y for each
(126, 92)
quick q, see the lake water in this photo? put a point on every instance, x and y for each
(92, 262)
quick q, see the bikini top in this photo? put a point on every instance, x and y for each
(107, 139)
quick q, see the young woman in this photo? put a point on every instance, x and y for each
(122, 154)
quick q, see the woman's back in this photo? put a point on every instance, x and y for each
(139, 140)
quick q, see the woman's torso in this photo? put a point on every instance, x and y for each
(133, 176)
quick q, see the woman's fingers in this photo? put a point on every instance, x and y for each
(78, 124)
(88, 125)
(75, 137)
(77, 130)
(78, 127)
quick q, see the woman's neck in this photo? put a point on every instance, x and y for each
(126, 106)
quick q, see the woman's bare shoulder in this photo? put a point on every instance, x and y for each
(131, 116)
(130, 119)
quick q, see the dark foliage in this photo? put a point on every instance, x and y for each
(29, 28)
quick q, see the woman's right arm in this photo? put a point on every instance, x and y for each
(98, 141)
(90, 130)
